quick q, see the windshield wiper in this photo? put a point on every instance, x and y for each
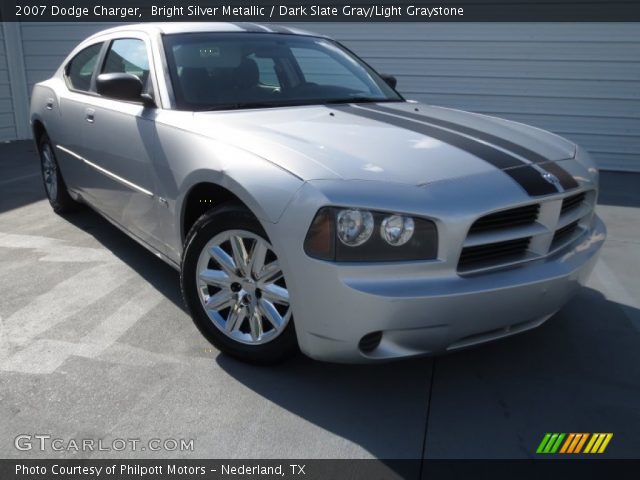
(242, 105)
(292, 103)
(356, 99)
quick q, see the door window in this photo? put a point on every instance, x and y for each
(80, 69)
(128, 55)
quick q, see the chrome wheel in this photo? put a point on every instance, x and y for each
(49, 172)
(241, 287)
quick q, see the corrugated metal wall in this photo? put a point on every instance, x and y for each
(579, 80)
(7, 120)
(45, 45)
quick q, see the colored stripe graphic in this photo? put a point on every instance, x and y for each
(573, 448)
(550, 443)
(524, 175)
(605, 443)
(567, 443)
(581, 443)
(566, 180)
(596, 445)
(556, 445)
(544, 441)
(598, 442)
(573, 443)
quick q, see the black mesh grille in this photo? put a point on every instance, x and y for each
(572, 202)
(563, 234)
(506, 219)
(493, 253)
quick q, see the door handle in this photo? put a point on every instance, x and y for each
(49, 104)
(90, 115)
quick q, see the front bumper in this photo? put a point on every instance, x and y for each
(419, 308)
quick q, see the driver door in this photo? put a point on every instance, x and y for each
(119, 141)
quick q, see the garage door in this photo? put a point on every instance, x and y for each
(578, 80)
(7, 128)
(581, 81)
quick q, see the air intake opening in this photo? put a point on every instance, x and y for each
(572, 202)
(493, 254)
(370, 342)
(514, 217)
(563, 234)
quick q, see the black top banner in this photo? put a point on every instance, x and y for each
(320, 11)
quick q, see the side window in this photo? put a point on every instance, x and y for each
(80, 69)
(128, 55)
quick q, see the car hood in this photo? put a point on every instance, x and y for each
(398, 142)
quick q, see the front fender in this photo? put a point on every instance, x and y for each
(262, 186)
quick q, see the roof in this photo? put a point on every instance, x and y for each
(194, 27)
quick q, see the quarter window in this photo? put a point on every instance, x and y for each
(128, 55)
(80, 69)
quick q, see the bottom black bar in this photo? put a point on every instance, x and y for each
(65, 469)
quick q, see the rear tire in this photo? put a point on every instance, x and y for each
(54, 185)
(234, 289)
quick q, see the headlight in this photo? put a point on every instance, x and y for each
(354, 226)
(397, 230)
(356, 235)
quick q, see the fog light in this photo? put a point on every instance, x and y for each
(397, 230)
(354, 226)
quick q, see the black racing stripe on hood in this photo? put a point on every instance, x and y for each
(524, 174)
(566, 180)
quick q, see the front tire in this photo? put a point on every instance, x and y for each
(234, 288)
(54, 185)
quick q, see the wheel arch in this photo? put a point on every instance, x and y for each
(38, 129)
(202, 197)
(265, 194)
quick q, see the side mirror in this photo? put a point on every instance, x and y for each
(120, 86)
(389, 80)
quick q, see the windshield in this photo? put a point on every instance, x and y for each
(218, 71)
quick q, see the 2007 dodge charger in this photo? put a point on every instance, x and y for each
(305, 202)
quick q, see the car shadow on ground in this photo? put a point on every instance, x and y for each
(577, 373)
(163, 277)
(580, 372)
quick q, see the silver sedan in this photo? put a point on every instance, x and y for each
(305, 202)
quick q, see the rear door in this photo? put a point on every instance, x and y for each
(67, 130)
